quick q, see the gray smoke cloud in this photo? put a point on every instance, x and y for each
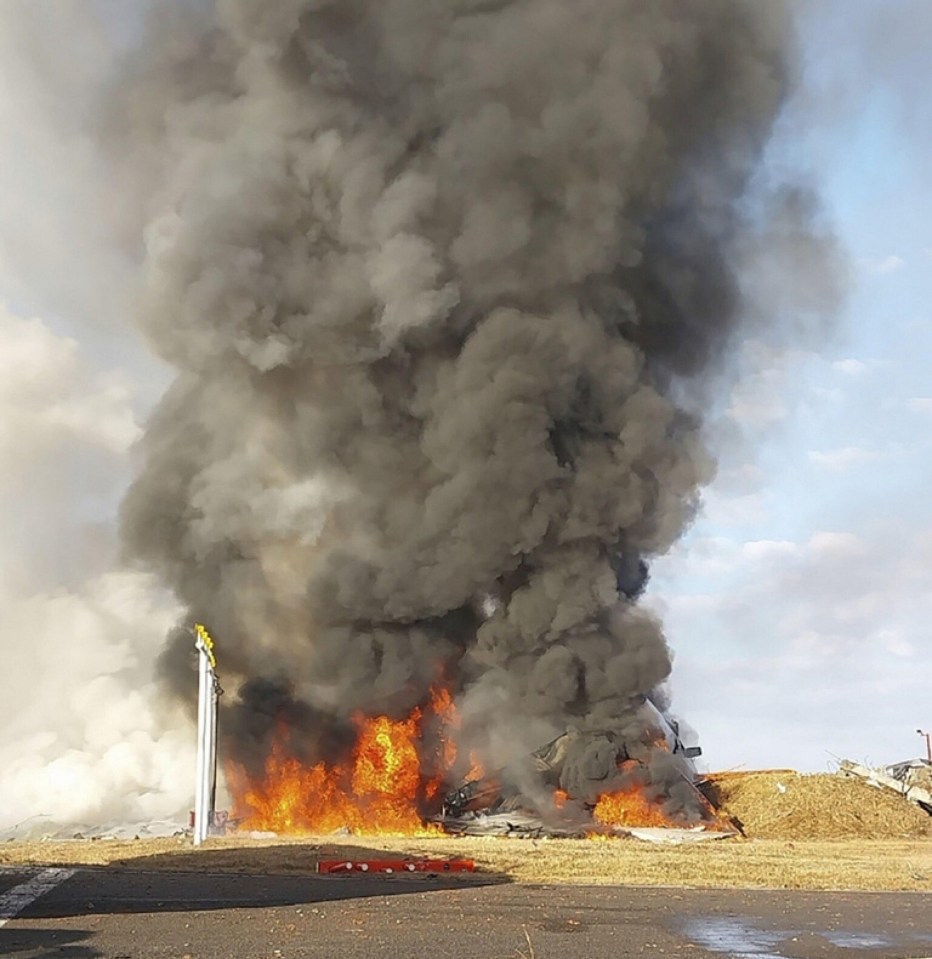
(433, 277)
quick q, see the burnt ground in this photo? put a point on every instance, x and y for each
(117, 914)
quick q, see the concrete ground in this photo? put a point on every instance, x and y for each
(117, 914)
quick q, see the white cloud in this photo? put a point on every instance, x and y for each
(884, 265)
(65, 430)
(840, 460)
(60, 216)
(850, 366)
(47, 386)
(920, 404)
(894, 641)
(765, 550)
(826, 396)
(708, 555)
(725, 511)
(758, 403)
(740, 480)
(759, 397)
(806, 648)
(824, 545)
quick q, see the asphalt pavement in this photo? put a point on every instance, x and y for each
(123, 914)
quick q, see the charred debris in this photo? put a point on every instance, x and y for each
(527, 798)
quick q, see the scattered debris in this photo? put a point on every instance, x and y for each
(676, 837)
(515, 824)
(45, 829)
(911, 779)
(520, 825)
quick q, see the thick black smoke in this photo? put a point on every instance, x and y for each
(431, 274)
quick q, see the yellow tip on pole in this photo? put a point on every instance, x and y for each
(204, 641)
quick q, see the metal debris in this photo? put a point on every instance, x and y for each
(911, 779)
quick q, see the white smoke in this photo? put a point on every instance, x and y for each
(84, 738)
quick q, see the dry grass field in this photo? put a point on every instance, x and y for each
(801, 832)
(732, 863)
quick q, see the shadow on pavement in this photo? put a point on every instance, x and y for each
(212, 879)
(286, 859)
(46, 943)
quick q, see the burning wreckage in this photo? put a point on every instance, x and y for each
(526, 798)
(440, 325)
(397, 782)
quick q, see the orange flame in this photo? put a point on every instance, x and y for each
(388, 783)
(629, 808)
(476, 767)
(381, 790)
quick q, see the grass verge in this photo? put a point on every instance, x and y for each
(734, 863)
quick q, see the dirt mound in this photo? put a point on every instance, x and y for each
(782, 804)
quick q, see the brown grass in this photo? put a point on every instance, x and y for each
(804, 832)
(733, 863)
(782, 804)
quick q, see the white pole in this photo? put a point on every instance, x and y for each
(203, 755)
(207, 704)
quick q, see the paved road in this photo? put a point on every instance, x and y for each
(115, 914)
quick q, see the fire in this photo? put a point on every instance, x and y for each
(476, 767)
(395, 777)
(628, 808)
(381, 790)
(386, 774)
(442, 706)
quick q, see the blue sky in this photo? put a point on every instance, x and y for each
(797, 605)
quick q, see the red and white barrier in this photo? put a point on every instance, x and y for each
(391, 866)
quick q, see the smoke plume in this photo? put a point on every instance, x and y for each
(433, 277)
(86, 737)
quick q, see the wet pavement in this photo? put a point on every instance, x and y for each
(117, 914)
(744, 937)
